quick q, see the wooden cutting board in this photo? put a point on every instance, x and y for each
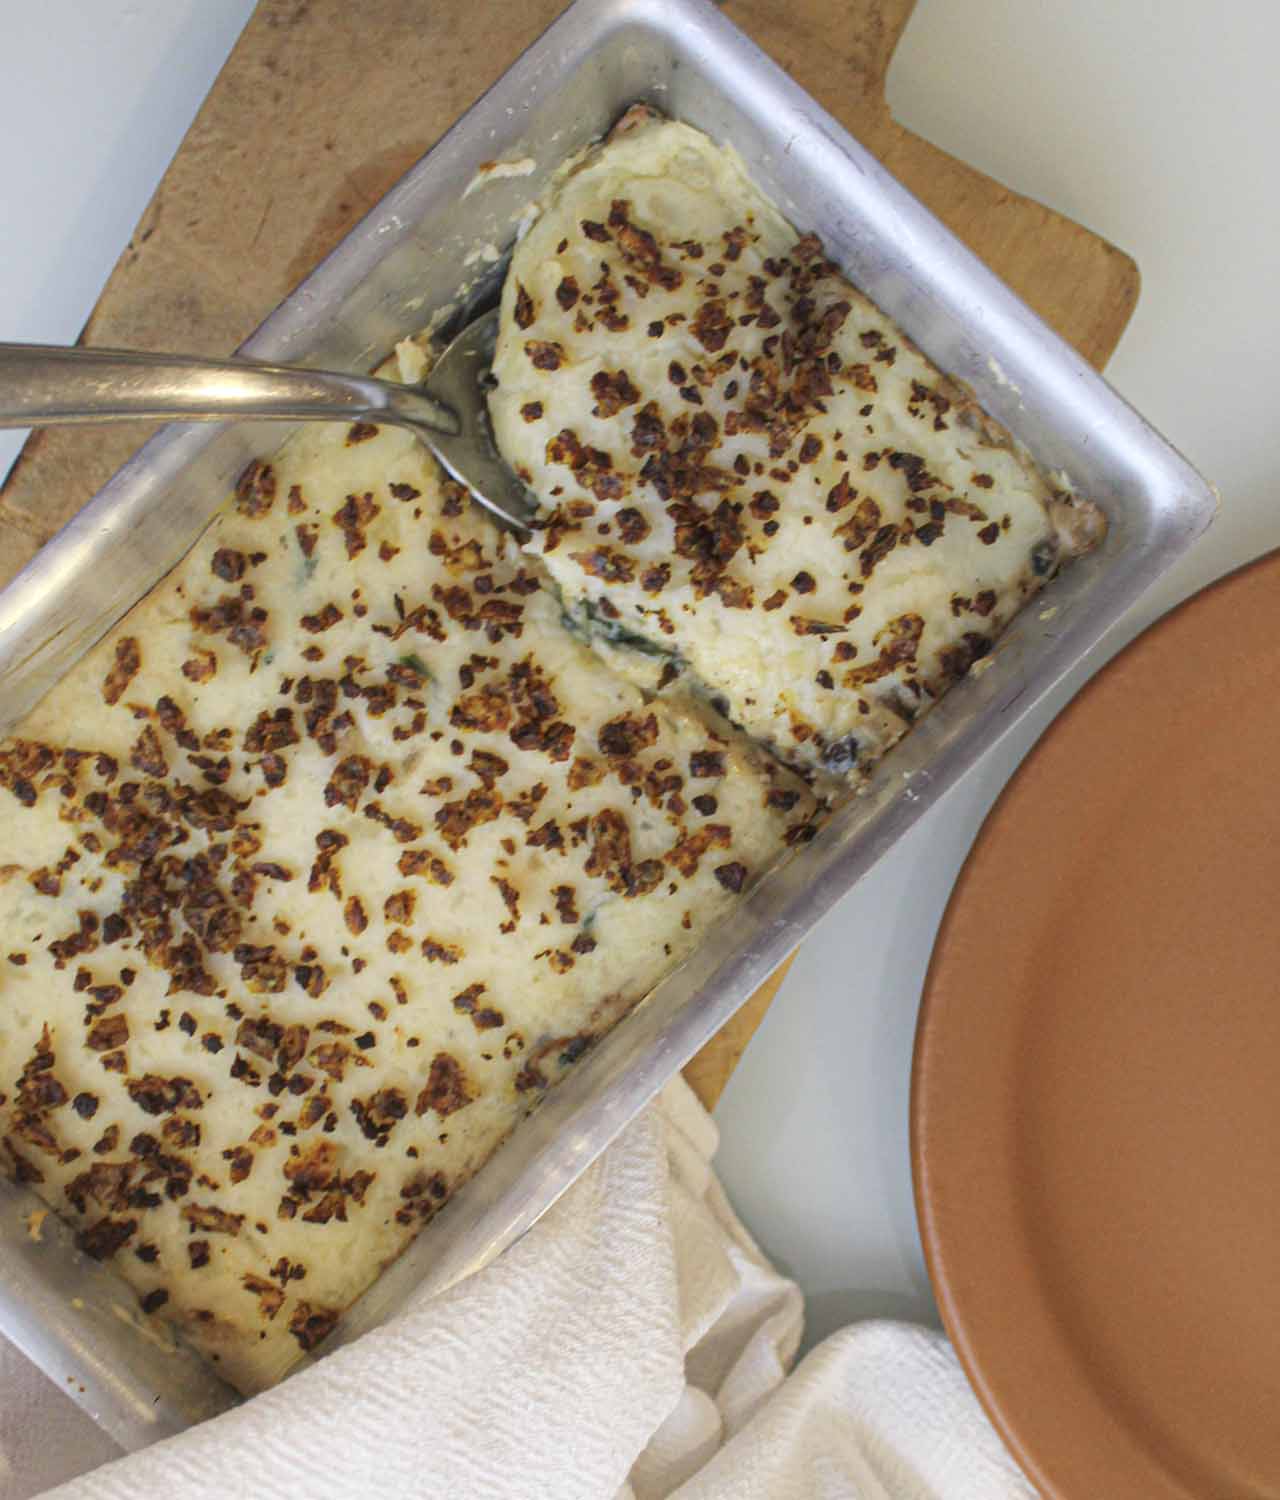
(324, 104)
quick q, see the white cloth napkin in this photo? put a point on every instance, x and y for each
(635, 1344)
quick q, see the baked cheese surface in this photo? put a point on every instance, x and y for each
(750, 480)
(316, 871)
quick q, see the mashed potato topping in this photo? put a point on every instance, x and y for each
(750, 480)
(317, 872)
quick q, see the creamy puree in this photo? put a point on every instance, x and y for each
(751, 482)
(316, 872)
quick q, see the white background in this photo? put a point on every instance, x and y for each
(1156, 124)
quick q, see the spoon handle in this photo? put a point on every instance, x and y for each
(42, 385)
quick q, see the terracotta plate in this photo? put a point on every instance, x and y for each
(1096, 1099)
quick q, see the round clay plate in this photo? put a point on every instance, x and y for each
(1096, 1098)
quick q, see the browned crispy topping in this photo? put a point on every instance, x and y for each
(256, 489)
(632, 526)
(712, 325)
(897, 644)
(228, 564)
(483, 1017)
(159, 1096)
(212, 1220)
(323, 619)
(349, 781)
(689, 851)
(352, 517)
(398, 907)
(455, 820)
(309, 1325)
(128, 658)
(270, 1298)
(111, 1031)
(103, 1239)
(200, 667)
(429, 866)
(544, 355)
(606, 563)
(378, 1115)
(146, 754)
(241, 1162)
(613, 391)
(611, 857)
(243, 626)
(628, 735)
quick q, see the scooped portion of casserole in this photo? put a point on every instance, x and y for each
(752, 484)
(316, 872)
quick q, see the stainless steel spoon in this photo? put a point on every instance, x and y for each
(42, 386)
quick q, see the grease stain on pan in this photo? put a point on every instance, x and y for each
(494, 171)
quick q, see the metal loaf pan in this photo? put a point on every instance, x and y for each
(432, 244)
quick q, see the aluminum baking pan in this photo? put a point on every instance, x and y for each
(431, 244)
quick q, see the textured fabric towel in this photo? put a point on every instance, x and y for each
(635, 1344)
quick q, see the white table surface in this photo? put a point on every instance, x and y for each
(1156, 125)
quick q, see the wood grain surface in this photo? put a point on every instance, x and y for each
(322, 105)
